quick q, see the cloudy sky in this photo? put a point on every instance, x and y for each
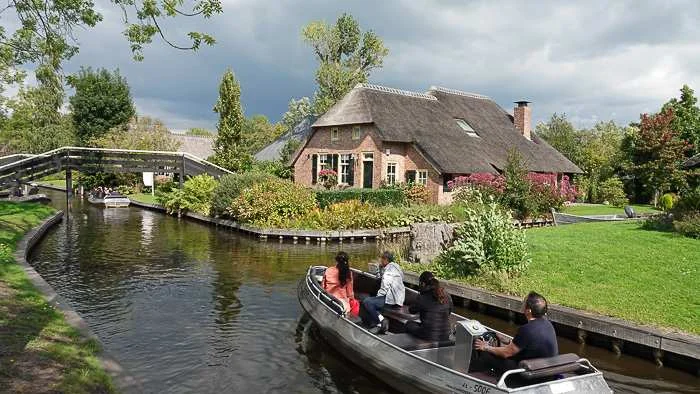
(592, 60)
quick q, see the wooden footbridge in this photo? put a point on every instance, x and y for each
(18, 169)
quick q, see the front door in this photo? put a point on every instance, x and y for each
(367, 174)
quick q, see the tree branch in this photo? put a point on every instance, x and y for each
(155, 22)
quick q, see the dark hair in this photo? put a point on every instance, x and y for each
(429, 282)
(537, 304)
(388, 256)
(343, 265)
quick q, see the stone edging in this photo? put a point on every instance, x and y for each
(297, 235)
(684, 344)
(122, 379)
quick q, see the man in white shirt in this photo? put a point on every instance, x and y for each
(391, 292)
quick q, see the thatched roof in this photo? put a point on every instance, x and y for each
(200, 146)
(300, 132)
(429, 121)
(692, 162)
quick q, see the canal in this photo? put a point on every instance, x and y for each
(186, 308)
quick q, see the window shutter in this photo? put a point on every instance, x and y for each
(314, 168)
(334, 163)
(351, 172)
(411, 176)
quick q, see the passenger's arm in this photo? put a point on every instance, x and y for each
(323, 282)
(349, 288)
(506, 351)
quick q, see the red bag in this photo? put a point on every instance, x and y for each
(354, 307)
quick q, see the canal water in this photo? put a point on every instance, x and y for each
(186, 308)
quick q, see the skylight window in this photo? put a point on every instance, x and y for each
(466, 127)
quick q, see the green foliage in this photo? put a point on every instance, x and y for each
(689, 225)
(562, 136)
(277, 168)
(175, 202)
(257, 132)
(142, 133)
(271, 203)
(688, 203)
(102, 101)
(165, 185)
(200, 192)
(517, 188)
(657, 152)
(297, 110)
(230, 187)
(667, 200)
(229, 151)
(687, 118)
(199, 132)
(377, 197)
(346, 57)
(414, 193)
(486, 242)
(612, 191)
(420, 213)
(346, 215)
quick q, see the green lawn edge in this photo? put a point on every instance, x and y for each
(33, 334)
(615, 269)
(600, 209)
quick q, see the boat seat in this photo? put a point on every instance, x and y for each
(400, 314)
(538, 368)
(409, 342)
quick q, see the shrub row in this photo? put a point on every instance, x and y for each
(377, 197)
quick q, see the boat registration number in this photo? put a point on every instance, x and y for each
(476, 388)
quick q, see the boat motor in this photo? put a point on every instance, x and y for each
(467, 331)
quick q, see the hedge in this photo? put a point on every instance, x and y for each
(378, 197)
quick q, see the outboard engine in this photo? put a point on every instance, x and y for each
(467, 331)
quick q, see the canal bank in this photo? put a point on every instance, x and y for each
(44, 345)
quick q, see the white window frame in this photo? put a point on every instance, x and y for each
(367, 156)
(466, 127)
(392, 180)
(335, 134)
(422, 177)
(344, 164)
(356, 133)
(322, 162)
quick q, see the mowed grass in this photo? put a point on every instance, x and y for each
(39, 352)
(143, 197)
(54, 182)
(617, 269)
(600, 209)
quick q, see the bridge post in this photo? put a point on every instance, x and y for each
(69, 183)
(182, 170)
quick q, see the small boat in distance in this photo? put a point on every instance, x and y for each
(110, 200)
(412, 365)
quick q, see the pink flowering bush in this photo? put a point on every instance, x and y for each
(328, 178)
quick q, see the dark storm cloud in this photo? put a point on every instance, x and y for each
(592, 60)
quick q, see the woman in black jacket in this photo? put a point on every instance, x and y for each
(434, 306)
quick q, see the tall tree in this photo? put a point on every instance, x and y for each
(562, 135)
(346, 57)
(257, 132)
(658, 152)
(686, 118)
(102, 101)
(297, 110)
(228, 149)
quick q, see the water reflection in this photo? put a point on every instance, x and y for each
(188, 308)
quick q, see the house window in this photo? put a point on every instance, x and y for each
(466, 127)
(344, 168)
(335, 135)
(356, 133)
(368, 156)
(422, 177)
(322, 162)
(391, 173)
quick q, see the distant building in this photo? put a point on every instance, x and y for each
(377, 134)
(301, 132)
(200, 146)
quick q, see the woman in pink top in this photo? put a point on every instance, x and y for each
(337, 281)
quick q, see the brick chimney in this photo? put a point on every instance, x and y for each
(522, 118)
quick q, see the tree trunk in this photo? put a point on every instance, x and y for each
(428, 240)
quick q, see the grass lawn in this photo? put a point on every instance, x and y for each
(54, 182)
(39, 352)
(143, 197)
(600, 209)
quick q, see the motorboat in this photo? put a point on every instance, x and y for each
(410, 364)
(110, 200)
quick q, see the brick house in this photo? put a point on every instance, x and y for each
(378, 135)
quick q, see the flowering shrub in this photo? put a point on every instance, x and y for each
(346, 215)
(328, 178)
(525, 193)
